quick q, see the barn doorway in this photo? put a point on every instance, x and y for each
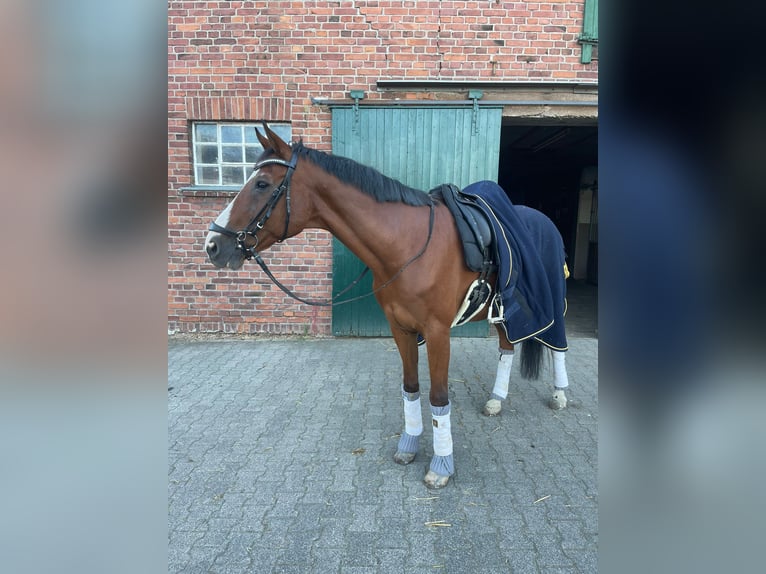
(421, 146)
(552, 165)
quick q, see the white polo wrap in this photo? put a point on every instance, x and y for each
(442, 433)
(413, 417)
(560, 379)
(503, 374)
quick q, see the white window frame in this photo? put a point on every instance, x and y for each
(284, 130)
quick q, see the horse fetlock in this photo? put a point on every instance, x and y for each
(492, 407)
(558, 400)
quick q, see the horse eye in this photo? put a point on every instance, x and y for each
(260, 184)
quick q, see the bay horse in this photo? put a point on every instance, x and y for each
(409, 241)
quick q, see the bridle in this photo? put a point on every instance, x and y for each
(262, 217)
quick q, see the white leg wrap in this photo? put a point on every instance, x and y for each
(560, 379)
(442, 430)
(503, 374)
(413, 417)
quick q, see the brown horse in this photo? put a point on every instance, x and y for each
(410, 243)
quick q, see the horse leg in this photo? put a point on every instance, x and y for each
(560, 381)
(413, 417)
(500, 391)
(442, 464)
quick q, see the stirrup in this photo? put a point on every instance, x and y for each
(496, 312)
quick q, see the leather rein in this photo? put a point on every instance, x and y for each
(263, 216)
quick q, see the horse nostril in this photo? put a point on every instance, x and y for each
(211, 247)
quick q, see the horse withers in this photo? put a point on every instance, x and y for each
(409, 241)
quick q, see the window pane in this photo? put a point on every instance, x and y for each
(232, 154)
(252, 153)
(224, 153)
(206, 132)
(207, 175)
(207, 154)
(231, 134)
(250, 135)
(232, 175)
(284, 131)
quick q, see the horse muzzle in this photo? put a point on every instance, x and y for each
(223, 251)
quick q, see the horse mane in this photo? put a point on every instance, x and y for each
(367, 179)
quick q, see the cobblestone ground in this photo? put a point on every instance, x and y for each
(280, 460)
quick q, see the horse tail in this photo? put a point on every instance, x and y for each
(531, 358)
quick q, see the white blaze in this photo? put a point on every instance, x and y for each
(222, 220)
(223, 217)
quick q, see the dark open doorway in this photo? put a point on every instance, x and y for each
(553, 167)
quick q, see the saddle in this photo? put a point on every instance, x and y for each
(472, 225)
(477, 239)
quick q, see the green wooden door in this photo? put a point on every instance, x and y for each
(421, 147)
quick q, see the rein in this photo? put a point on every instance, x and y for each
(332, 302)
(263, 216)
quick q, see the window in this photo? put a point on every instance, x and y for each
(224, 153)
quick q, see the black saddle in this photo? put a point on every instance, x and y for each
(473, 227)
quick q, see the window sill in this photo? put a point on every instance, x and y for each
(208, 191)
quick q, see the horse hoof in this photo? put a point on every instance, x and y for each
(558, 400)
(404, 457)
(434, 480)
(492, 408)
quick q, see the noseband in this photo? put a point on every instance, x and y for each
(263, 215)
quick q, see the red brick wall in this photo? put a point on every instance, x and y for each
(264, 60)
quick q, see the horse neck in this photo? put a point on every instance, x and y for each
(382, 234)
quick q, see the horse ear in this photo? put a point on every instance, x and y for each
(283, 149)
(264, 142)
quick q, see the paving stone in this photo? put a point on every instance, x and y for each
(267, 474)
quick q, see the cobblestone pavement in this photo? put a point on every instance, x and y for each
(280, 460)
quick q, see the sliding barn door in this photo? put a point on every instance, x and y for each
(422, 147)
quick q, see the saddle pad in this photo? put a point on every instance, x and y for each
(530, 277)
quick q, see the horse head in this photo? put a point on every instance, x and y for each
(259, 215)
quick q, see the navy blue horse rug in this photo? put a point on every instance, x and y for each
(531, 274)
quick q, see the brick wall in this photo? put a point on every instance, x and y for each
(265, 60)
